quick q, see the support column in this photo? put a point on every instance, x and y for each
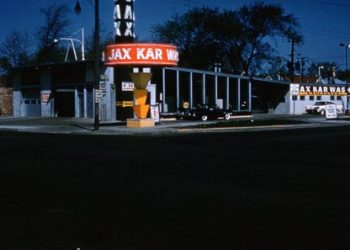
(17, 95)
(141, 106)
(85, 103)
(177, 90)
(203, 88)
(216, 90)
(164, 108)
(47, 103)
(250, 95)
(191, 90)
(76, 103)
(239, 94)
(227, 92)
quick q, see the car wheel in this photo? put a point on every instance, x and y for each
(322, 112)
(227, 116)
(204, 117)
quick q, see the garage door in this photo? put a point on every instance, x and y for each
(31, 105)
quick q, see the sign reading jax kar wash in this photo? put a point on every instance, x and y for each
(141, 54)
(300, 89)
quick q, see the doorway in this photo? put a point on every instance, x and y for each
(65, 104)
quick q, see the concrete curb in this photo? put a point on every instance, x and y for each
(85, 127)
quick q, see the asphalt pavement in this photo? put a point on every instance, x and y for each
(286, 189)
(165, 126)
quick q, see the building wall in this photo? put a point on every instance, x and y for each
(298, 103)
(55, 87)
(6, 97)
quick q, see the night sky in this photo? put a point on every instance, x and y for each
(324, 23)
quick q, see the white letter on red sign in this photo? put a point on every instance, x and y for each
(126, 53)
(128, 31)
(139, 54)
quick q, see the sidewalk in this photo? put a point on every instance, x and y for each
(85, 126)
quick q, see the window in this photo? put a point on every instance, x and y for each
(302, 98)
(319, 98)
(332, 97)
(311, 98)
(294, 98)
(338, 97)
(26, 101)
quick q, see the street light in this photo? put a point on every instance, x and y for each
(77, 10)
(319, 70)
(346, 46)
(71, 43)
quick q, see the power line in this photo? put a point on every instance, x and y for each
(332, 3)
(343, 35)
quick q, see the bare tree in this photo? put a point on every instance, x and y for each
(55, 25)
(16, 48)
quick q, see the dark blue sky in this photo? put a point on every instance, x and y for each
(324, 23)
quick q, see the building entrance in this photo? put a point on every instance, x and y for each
(65, 104)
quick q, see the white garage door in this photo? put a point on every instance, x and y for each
(31, 105)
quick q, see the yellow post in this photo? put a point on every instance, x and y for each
(140, 98)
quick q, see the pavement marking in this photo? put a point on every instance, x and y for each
(218, 129)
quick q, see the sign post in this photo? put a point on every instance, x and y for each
(331, 111)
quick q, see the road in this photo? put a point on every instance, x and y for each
(277, 189)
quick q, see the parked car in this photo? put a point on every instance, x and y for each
(320, 108)
(206, 112)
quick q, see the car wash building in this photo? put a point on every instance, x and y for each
(62, 90)
(67, 89)
(302, 95)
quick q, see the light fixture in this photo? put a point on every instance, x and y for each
(77, 8)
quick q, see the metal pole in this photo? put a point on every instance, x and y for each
(203, 88)
(239, 94)
(82, 44)
(346, 79)
(74, 51)
(97, 64)
(250, 95)
(216, 90)
(346, 58)
(227, 92)
(191, 90)
(292, 60)
(67, 53)
(177, 90)
(164, 92)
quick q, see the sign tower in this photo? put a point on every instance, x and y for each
(133, 63)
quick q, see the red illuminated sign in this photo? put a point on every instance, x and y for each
(141, 54)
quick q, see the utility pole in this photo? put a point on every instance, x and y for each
(97, 63)
(346, 46)
(77, 10)
(292, 60)
(302, 64)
